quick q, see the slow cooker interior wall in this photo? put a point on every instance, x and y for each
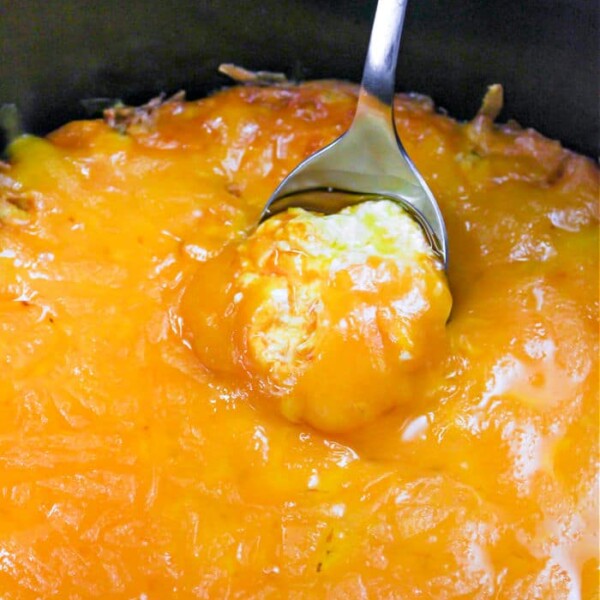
(53, 54)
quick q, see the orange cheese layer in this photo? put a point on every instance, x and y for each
(335, 318)
(130, 469)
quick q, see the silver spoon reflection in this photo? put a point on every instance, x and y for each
(368, 162)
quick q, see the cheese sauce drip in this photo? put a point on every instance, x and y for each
(135, 463)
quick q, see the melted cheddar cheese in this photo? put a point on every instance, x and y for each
(132, 466)
(332, 317)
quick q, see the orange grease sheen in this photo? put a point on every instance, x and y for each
(128, 469)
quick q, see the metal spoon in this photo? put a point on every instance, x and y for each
(368, 162)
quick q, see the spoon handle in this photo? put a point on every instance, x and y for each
(379, 75)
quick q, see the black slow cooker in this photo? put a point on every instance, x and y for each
(66, 59)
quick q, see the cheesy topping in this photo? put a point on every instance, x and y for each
(142, 450)
(304, 286)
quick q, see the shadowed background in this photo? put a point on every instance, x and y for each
(54, 54)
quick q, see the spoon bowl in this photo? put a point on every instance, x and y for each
(368, 162)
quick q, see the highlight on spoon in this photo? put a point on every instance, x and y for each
(368, 161)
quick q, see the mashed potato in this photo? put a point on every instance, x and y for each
(331, 317)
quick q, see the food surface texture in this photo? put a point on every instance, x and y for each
(334, 318)
(167, 426)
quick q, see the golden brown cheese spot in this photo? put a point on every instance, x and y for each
(332, 316)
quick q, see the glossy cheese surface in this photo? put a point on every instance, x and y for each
(129, 468)
(333, 319)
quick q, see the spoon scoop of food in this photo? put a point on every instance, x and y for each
(368, 162)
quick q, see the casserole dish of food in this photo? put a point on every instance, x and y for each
(196, 408)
